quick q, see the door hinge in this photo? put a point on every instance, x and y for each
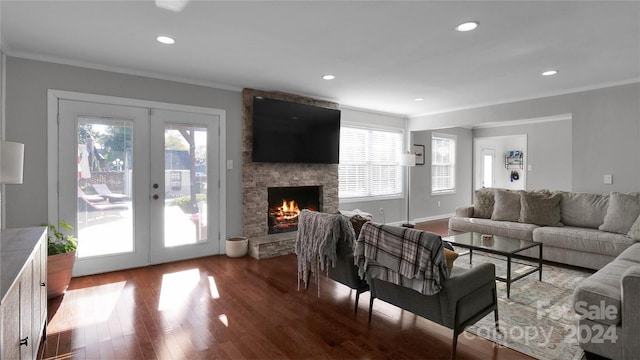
(219, 184)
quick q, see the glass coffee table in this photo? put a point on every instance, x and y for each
(499, 245)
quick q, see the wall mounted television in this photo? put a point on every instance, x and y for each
(287, 132)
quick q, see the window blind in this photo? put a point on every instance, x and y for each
(443, 163)
(369, 162)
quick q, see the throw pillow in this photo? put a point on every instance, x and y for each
(622, 212)
(540, 208)
(507, 205)
(450, 256)
(483, 205)
(583, 209)
(634, 232)
(357, 221)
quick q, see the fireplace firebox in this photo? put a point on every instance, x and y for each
(285, 204)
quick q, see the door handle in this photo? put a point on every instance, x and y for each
(155, 197)
(43, 284)
(24, 341)
(155, 186)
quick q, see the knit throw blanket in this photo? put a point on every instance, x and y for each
(406, 257)
(317, 239)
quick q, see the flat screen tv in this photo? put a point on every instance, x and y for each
(286, 132)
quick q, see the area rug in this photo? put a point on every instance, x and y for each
(538, 319)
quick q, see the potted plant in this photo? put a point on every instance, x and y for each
(62, 256)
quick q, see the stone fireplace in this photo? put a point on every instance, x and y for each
(257, 178)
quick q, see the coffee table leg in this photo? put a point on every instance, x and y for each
(508, 276)
(540, 263)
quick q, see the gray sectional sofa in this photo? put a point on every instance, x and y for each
(570, 225)
(594, 231)
(608, 303)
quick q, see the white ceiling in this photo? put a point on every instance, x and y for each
(384, 54)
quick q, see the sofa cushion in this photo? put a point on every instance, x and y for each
(632, 254)
(602, 289)
(622, 212)
(583, 239)
(483, 204)
(583, 209)
(506, 206)
(540, 208)
(634, 232)
(485, 226)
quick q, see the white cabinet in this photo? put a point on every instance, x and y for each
(23, 301)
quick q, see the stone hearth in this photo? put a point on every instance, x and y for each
(257, 177)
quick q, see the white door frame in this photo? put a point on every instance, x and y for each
(53, 96)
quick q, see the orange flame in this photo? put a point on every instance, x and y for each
(289, 209)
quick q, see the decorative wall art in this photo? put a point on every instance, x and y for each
(418, 150)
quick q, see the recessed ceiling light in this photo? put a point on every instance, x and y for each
(467, 26)
(165, 40)
(549, 72)
(419, 99)
(328, 77)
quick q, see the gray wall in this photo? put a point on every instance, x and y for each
(27, 82)
(423, 204)
(605, 132)
(549, 152)
(1, 135)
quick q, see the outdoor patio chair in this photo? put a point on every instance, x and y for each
(89, 198)
(104, 191)
(86, 205)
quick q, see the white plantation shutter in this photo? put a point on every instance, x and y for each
(443, 163)
(369, 162)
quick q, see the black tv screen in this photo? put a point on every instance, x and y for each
(286, 132)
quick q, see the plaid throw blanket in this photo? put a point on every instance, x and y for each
(317, 239)
(406, 257)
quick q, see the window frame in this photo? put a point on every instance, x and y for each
(453, 138)
(368, 127)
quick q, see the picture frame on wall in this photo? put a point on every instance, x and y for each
(418, 150)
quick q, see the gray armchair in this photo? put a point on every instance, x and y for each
(312, 231)
(466, 297)
(346, 272)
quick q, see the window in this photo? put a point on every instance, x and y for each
(443, 163)
(369, 163)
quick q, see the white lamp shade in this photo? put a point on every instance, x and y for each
(11, 162)
(407, 160)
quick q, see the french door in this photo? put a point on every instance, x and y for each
(139, 185)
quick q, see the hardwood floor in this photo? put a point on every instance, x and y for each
(440, 227)
(224, 308)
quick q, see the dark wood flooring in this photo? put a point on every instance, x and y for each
(222, 308)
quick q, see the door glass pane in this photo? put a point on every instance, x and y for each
(185, 210)
(105, 168)
(488, 171)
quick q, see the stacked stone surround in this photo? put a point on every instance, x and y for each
(257, 177)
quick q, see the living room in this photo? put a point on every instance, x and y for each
(575, 134)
